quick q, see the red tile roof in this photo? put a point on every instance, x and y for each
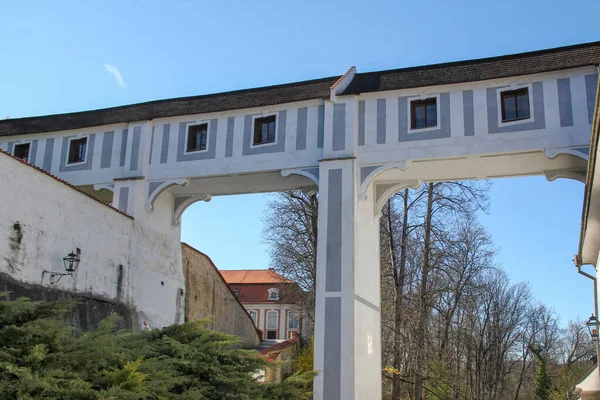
(251, 276)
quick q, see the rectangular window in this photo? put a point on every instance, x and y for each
(77, 148)
(22, 151)
(264, 130)
(197, 137)
(515, 104)
(423, 113)
(271, 324)
(293, 320)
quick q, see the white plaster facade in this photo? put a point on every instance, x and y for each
(259, 312)
(356, 149)
(118, 254)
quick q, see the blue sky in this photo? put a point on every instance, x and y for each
(66, 55)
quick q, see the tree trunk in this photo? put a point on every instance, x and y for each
(399, 277)
(423, 306)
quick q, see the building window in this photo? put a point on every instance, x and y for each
(253, 315)
(264, 130)
(515, 104)
(77, 149)
(423, 113)
(293, 320)
(273, 294)
(271, 324)
(22, 151)
(197, 137)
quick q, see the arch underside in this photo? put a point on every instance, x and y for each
(383, 181)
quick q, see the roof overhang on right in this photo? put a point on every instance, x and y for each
(589, 242)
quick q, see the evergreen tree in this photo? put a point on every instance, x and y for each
(40, 358)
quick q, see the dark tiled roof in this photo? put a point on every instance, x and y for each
(477, 70)
(248, 98)
(438, 74)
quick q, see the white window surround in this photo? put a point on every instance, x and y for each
(409, 112)
(263, 115)
(269, 325)
(273, 294)
(19, 143)
(87, 148)
(187, 134)
(501, 90)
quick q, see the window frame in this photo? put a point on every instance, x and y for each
(272, 291)
(255, 320)
(85, 156)
(186, 149)
(276, 329)
(25, 143)
(297, 314)
(410, 113)
(255, 119)
(510, 88)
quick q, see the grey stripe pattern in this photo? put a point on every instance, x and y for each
(87, 165)
(361, 123)
(9, 149)
(539, 115)
(565, 105)
(151, 145)
(332, 365)
(135, 148)
(443, 124)
(33, 152)
(107, 149)
(591, 85)
(279, 145)
(320, 126)
(229, 138)
(164, 148)
(339, 127)
(365, 171)
(333, 253)
(367, 303)
(468, 113)
(301, 128)
(123, 147)
(381, 120)
(48, 152)
(153, 185)
(123, 199)
(197, 155)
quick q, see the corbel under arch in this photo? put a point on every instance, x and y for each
(383, 191)
(368, 175)
(104, 186)
(156, 188)
(182, 203)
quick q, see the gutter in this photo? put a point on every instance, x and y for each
(589, 181)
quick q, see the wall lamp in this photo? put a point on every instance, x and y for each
(592, 325)
(71, 262)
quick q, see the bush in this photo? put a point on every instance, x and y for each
(40, 358)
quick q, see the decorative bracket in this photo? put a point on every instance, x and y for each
(105, 186)
(554, 175)
(310, 173)
(182, 203)
(581, 152)
(157, 187)
(368, 174)
(384, 191)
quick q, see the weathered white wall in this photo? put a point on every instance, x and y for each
(43, 219)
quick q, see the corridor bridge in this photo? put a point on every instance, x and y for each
(356, 139)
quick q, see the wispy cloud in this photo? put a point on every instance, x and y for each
(115, 72)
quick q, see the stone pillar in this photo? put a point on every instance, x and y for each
(348, 322)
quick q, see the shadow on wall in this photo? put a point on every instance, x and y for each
(86, 313)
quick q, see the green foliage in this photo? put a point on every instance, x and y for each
(303, 361)
(542, 382)
(40, 358)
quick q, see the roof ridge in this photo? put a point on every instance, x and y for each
(64, 182)
(486, 59)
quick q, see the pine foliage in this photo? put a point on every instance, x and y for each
(41, 358)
